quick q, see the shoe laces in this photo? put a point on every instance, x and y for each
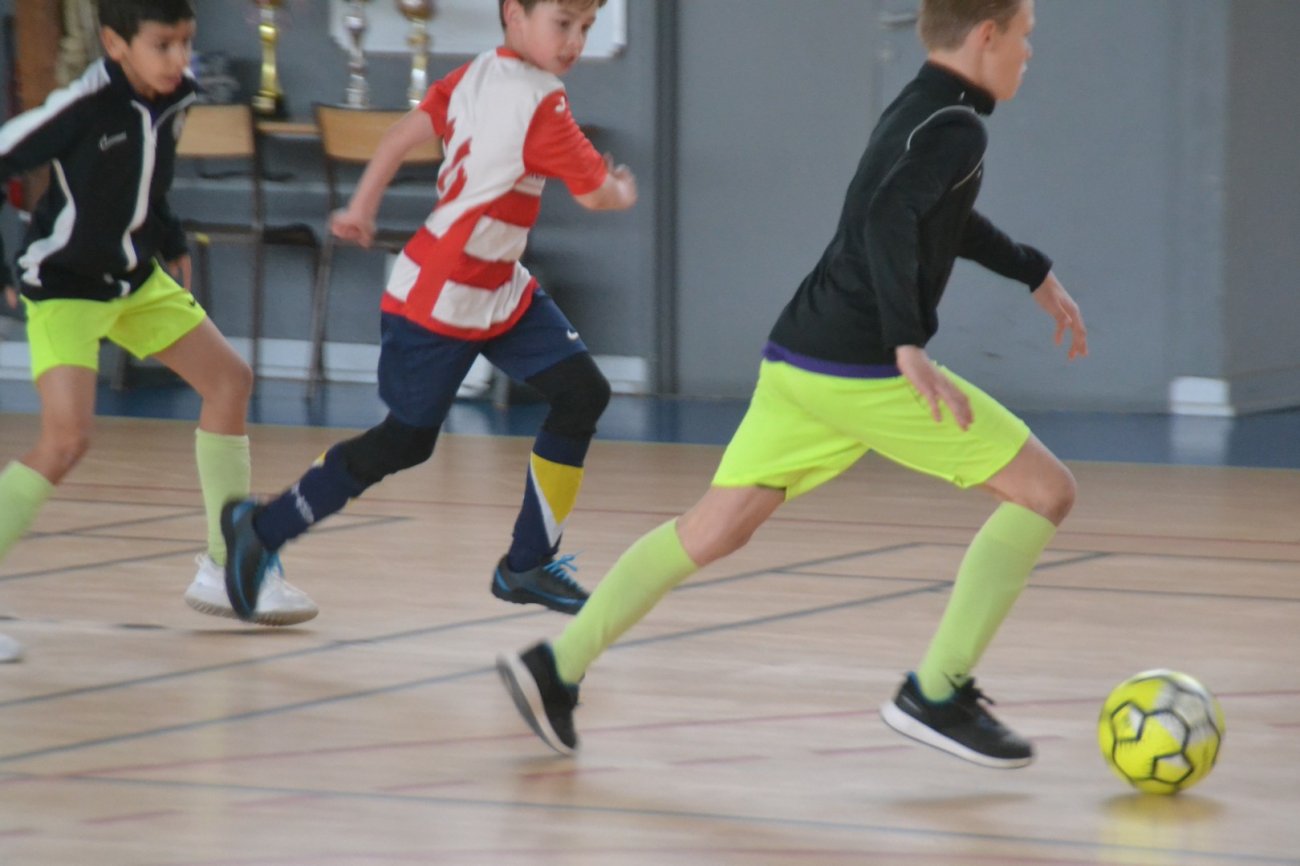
(970, 698)
(562, 569)
(274, 569)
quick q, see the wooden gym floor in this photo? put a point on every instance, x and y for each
(737, 725)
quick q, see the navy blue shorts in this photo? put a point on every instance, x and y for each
(420, 371)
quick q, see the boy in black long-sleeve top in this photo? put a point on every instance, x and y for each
(845, 371)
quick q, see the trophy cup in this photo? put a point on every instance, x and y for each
(269, 99)
(419, 13)
(358, 92)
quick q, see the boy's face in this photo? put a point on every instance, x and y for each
(1007, 54)
(156, 58)
(551, 36)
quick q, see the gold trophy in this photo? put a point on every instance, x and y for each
(269, 99)
(419, 13)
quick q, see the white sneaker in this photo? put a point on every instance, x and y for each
(278, 603)
(10, 649)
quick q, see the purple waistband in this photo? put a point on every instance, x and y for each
(774, 352)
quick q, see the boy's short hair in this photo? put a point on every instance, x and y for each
(944, 24)
(529, 4)
(124, 17)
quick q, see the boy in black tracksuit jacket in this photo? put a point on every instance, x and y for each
(97, 236)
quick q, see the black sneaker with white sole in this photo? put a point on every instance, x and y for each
(544, 701)
(960, 726)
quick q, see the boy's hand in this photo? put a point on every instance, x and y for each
(936, 388)
(618, 192)
(181, 269)
(1053, 298)
(11, 297)
(353, 228)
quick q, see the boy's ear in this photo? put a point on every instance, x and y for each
(512, 11)
(983, 33)
(114, 45)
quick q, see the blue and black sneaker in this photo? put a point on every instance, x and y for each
(247, 559)
(549, 584)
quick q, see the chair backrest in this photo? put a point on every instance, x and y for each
(217, 132)
(350, 135)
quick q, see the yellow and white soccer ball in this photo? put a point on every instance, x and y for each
(1161, 731)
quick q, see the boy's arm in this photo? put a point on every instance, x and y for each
(938, 156)
(986, 244)
(356, 222)
(617, 192)
(31, 140)
(173, 243)
(557, 147)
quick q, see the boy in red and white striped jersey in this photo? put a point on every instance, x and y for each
(458, 290)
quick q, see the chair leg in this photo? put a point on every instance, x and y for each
(120, 380)
(255, 303)
(320, 318)
(203, 290)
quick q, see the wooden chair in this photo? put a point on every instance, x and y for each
(349, 137)
(227, 134)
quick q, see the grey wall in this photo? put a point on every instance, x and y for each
(1261, 319)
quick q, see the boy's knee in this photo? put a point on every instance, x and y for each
(707, 541)
(577, 392)
(1056, 499)
(384, 450)
(64, 448)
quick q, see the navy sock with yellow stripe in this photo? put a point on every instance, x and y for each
(551, 489)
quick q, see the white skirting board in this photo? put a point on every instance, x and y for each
(346, 362)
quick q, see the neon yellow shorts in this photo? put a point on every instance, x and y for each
(66, 332)
(802, 429)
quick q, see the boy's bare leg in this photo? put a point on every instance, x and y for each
(206, 361)
(939, 705)
(211, 367)
(67, 420)
(67, 417)
(1037, 480)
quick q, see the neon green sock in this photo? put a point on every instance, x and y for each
(225, 473)
(645, 573)
(992, 574)
(23, 491)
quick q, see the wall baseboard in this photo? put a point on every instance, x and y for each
(345, 362)
(1244, 394)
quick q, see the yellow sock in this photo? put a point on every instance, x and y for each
(23, 491)
(224, 473)
(645, 573)
(992, 574)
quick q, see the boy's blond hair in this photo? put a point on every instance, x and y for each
(944, 24)
(529, 4)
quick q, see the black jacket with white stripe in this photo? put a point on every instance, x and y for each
(909, 213)
(105, 218)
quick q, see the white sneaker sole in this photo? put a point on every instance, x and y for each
(909, 727)
(527, 696)
(269, 618)
(10, 650)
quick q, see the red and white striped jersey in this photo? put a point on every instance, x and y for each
(505, 127)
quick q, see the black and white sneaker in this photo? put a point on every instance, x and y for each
(544, 701)
(960, 726)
